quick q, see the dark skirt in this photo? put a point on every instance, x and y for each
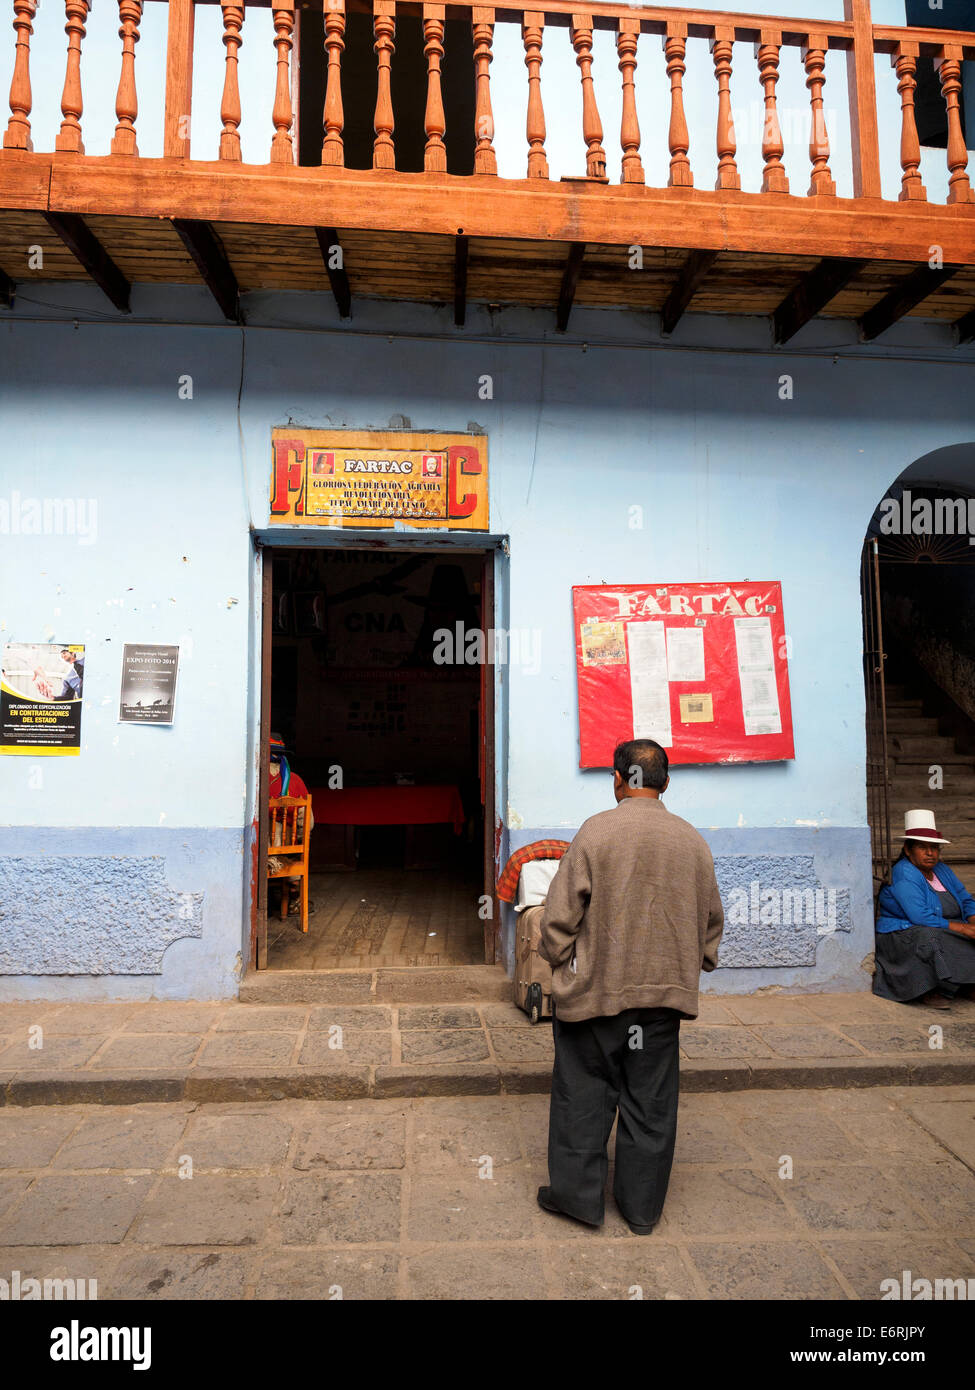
(912, 962)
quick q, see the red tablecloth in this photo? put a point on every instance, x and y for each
(388, 806)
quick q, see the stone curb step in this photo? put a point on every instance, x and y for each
(384, 1082)
(459, 984)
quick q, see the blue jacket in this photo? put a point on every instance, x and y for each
(910, 901)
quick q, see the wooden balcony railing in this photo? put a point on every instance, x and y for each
(793, 249)
(731, 37)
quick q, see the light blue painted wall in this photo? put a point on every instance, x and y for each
(734, 481)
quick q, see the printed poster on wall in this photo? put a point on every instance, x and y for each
(148, 684)
(379, 479)
(700, 668)
(41, 690)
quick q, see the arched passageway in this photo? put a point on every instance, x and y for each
(918, 589)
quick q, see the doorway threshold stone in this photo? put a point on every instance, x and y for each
(405, 985)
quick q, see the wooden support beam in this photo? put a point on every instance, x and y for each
(966, 327)
(81, 241)
(461, 244)
(902, 298)
(570, 279)
(689, 281)
(338, 278)
(521, 210)
(7, 290)
(203, 244)
(813, 292)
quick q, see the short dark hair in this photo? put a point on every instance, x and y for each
(643, 758)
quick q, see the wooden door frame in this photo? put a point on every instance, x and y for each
(492, 923)
(488, 550)
(264, 738)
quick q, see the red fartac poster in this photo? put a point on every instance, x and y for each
(700, 668)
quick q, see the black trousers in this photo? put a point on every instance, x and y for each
(629, 1061)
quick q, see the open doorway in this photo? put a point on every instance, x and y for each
(392, 734)
(918, 586)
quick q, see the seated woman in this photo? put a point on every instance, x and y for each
(925, 924)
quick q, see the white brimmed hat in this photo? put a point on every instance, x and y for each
(919, 825)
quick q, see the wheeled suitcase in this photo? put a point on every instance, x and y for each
(533, 975)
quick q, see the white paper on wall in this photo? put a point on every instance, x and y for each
(756, 675)
(649, 684)
(685, 653)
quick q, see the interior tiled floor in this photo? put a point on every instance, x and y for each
(374, 917)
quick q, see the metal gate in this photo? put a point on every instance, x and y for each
(874, 656)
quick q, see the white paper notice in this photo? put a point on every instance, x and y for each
(756, 674)
(685, 653)
(649, 686)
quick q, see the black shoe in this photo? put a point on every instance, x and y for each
(546, 1203)
(641, 1230)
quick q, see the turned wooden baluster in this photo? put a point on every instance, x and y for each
(434, 122)
(774, 179)
(592, 129)
(233, 20)
(384, 27)
(721, 49)
(17, 134)
(282, 147)
(949, 71)
(485, 160)
(814, 61)
(126, 101)
(531, 35)
(69, 140)
(626, 40)
(333, 150)
(904, 61)
(674, 45)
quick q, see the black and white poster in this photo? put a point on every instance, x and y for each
(148, 684)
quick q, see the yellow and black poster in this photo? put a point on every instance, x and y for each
(40, 699)
(379, 478)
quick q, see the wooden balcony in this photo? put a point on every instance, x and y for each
(792, 250)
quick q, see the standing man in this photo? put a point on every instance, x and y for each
(631, 919)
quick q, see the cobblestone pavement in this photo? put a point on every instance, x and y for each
(341, 1050)
(435, 1199)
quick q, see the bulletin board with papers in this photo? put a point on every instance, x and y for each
(701, 668)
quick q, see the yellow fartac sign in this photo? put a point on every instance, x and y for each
(379, 478)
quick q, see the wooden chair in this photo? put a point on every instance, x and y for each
(289, 833)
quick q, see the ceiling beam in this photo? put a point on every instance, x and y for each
(570, 279)
(206, 249)
(7, 290)
(902, 299)
(813, 292)
(966, 327)
(81, 241)
(461, 249)
(338, 277)
(689, 281)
